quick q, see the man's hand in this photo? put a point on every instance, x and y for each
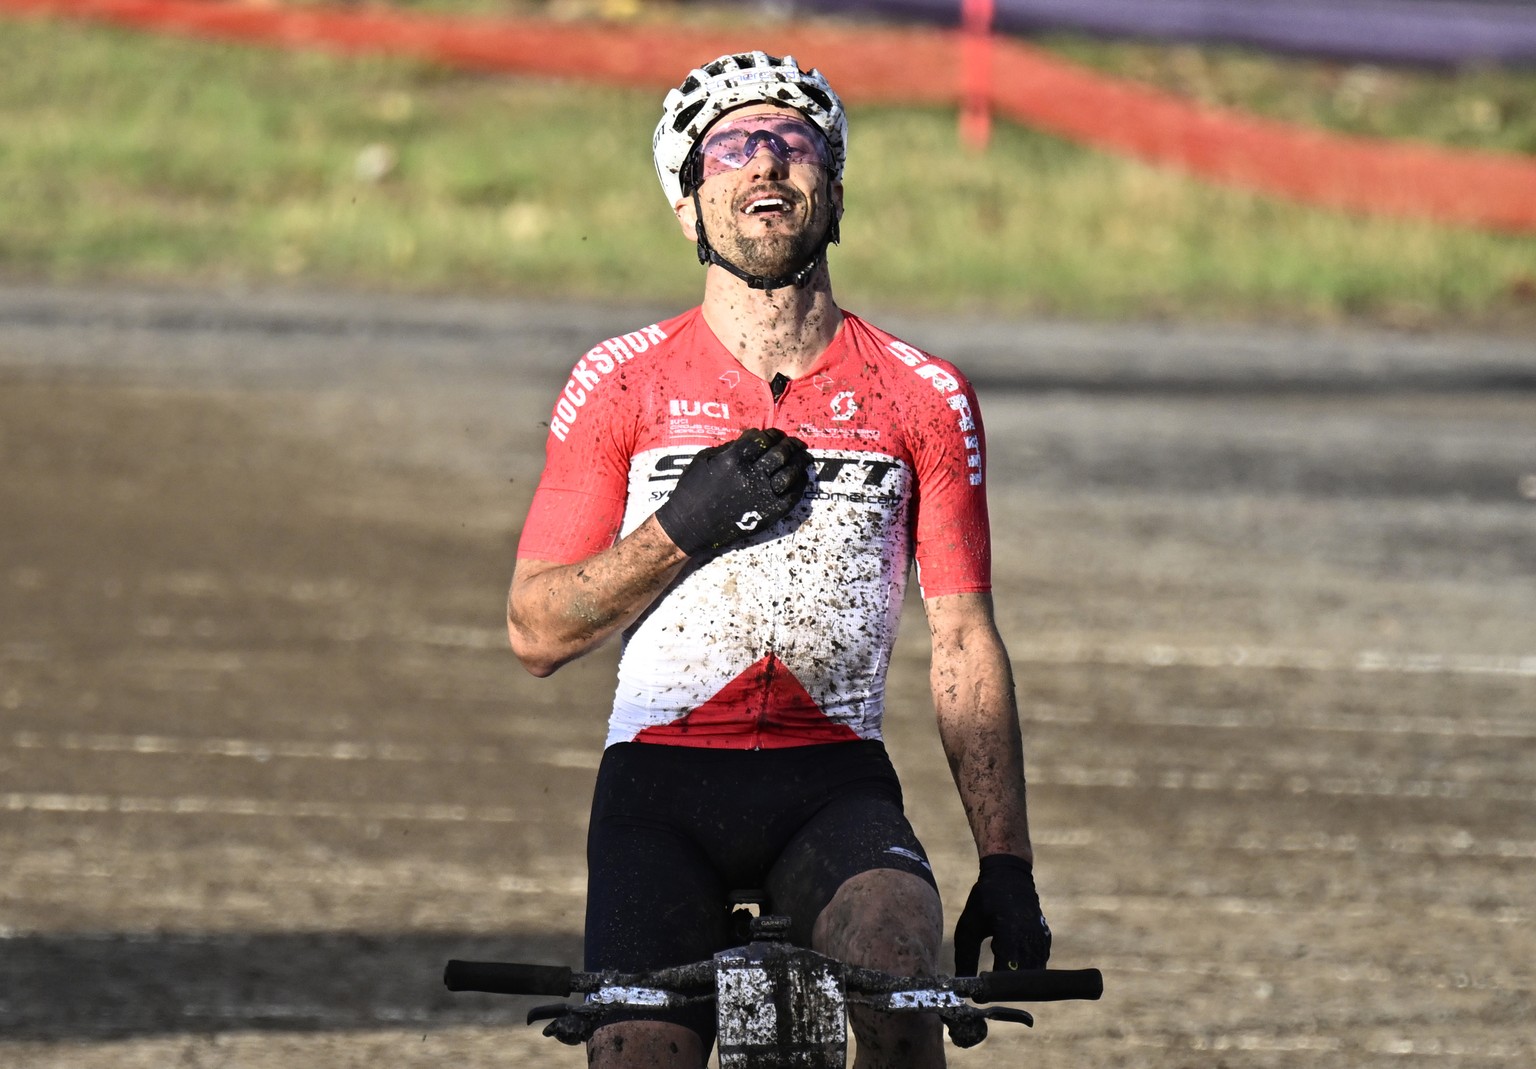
(1003, 905)
(729, 491)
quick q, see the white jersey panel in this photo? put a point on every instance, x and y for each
(821, 591)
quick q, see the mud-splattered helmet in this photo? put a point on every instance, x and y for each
(730, 82)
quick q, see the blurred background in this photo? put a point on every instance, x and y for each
(136, 155)
(1248, 292)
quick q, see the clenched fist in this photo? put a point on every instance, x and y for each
(729, 491)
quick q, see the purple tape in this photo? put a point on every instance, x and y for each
(1437, 32)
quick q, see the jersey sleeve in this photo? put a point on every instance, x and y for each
(953, 539)
(579, 504)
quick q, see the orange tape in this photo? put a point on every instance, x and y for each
(1396, 178)
(906, 66)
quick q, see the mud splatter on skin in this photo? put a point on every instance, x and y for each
(786, 329)
(888, 920)
(973, 692)
(556, 613)
(645, 1045)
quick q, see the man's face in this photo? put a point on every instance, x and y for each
(768, 213)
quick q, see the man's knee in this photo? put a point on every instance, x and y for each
(883, 919)
(889, 920)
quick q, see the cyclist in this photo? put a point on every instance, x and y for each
(740, 490)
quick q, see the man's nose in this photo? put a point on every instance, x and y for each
(767, 156)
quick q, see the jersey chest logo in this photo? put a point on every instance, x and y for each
(712, 409)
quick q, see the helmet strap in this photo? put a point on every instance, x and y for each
(798, 278)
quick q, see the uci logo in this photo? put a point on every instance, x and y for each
(844, 406)
(712, 409)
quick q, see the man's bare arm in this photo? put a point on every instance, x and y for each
(557, 612)
(979, 722)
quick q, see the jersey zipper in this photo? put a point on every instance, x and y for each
(778, 389)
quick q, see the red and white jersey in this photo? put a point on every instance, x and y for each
(783, 638)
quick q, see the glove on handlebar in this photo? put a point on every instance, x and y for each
(729, 491)
(1005, 906)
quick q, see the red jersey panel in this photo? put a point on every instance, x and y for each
(783, 638)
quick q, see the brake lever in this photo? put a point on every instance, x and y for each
(572, 1023)
(549, 1011)
(1011, 1015)
(968, 1024)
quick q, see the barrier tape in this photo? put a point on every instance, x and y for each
(1370, 176)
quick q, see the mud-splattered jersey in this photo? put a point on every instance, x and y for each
(783, 638)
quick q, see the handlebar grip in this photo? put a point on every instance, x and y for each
(1040, 985)
(508, 978)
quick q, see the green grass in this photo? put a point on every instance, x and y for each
(1477, 108)
(128, 157)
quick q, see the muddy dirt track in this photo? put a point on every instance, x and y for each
(265, 764)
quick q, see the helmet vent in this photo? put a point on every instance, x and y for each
(817, 95)
(685, 116)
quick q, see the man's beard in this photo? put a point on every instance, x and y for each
(776, 253)
(780, 251)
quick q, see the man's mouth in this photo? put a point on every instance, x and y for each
(766, 204)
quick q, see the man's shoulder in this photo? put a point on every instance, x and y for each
(623, 348)
(883, 349)
(612, 361)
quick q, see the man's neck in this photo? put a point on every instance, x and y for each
(782, 331)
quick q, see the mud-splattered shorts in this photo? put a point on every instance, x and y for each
(675, 828)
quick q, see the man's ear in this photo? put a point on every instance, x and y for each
(687, 217)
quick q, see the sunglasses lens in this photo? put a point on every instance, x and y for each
(731, 145)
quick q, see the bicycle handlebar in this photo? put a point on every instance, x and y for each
(508, 978)
(1028, 985)
(1038, 985)
(821, 989)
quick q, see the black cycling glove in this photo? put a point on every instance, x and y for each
(1005, 906)
(729, 491)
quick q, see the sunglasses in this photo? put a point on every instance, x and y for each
(731, 145)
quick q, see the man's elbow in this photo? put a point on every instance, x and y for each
(536, 657)
(528, 643)
(540, 669)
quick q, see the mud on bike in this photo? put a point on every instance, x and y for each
(776, 1004)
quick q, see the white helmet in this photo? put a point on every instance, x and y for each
(729, 82)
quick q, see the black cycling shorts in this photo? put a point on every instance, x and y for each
(674, 828)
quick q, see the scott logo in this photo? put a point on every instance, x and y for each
(844, 406)
(712, 409)
(865, 473)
